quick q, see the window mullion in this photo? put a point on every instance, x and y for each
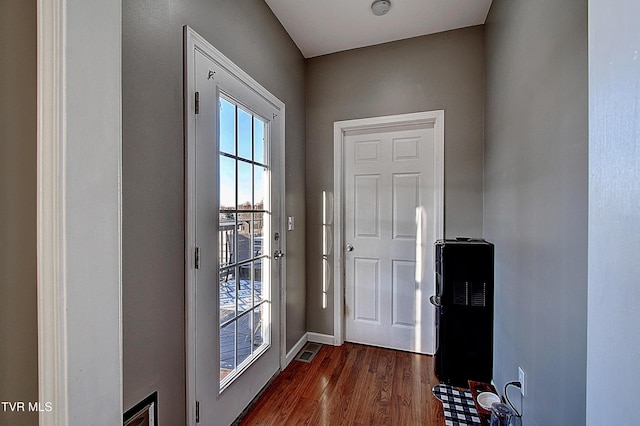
(253, 233)
(236, 239)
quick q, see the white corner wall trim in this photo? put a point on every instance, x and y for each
(294, 350)
(325, 339)
(79, 211)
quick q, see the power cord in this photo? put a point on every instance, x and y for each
(506, 396)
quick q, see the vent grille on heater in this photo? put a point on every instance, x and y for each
(460, 293)
(478, 294)
(467, 293)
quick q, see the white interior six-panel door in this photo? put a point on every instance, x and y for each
(389, 233)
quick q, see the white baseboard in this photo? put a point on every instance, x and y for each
(325, 339)
(294, 351)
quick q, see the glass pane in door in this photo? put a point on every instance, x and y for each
(244, 204)
(227, 127)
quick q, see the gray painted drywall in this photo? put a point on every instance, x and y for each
(613, 350)
(153, 177)
(536, 184)
(18, 303)
(441, 71)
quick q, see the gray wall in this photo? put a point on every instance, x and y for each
(536, 184)
(441, 71)
(614, 212)
(18, 308)
(153, 176)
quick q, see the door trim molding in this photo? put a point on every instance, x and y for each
(52, 330)
(433, 119)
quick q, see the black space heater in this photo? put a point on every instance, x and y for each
(464, 311)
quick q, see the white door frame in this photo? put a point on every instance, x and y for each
(193, 41)
(433, 119)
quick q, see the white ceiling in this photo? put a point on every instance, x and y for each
(319, 27)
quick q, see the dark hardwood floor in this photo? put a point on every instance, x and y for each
(351, 385)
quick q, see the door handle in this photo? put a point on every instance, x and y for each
(435, 301)
(349, 247)
(278, 254)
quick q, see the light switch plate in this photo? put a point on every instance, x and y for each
(291, 223)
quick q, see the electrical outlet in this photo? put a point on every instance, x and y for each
(522, 378)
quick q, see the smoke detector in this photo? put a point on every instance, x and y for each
(380, 7)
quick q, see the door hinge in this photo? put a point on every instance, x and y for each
(197, 258)
(197, 411)
(197, 102)
(346, 310)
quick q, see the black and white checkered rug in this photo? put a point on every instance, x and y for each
(459, 409)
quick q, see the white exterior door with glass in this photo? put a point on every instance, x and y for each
(234, 173)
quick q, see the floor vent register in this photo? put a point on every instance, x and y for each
(308, 352)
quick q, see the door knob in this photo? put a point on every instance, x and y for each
(278, 254)
(349, 247)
